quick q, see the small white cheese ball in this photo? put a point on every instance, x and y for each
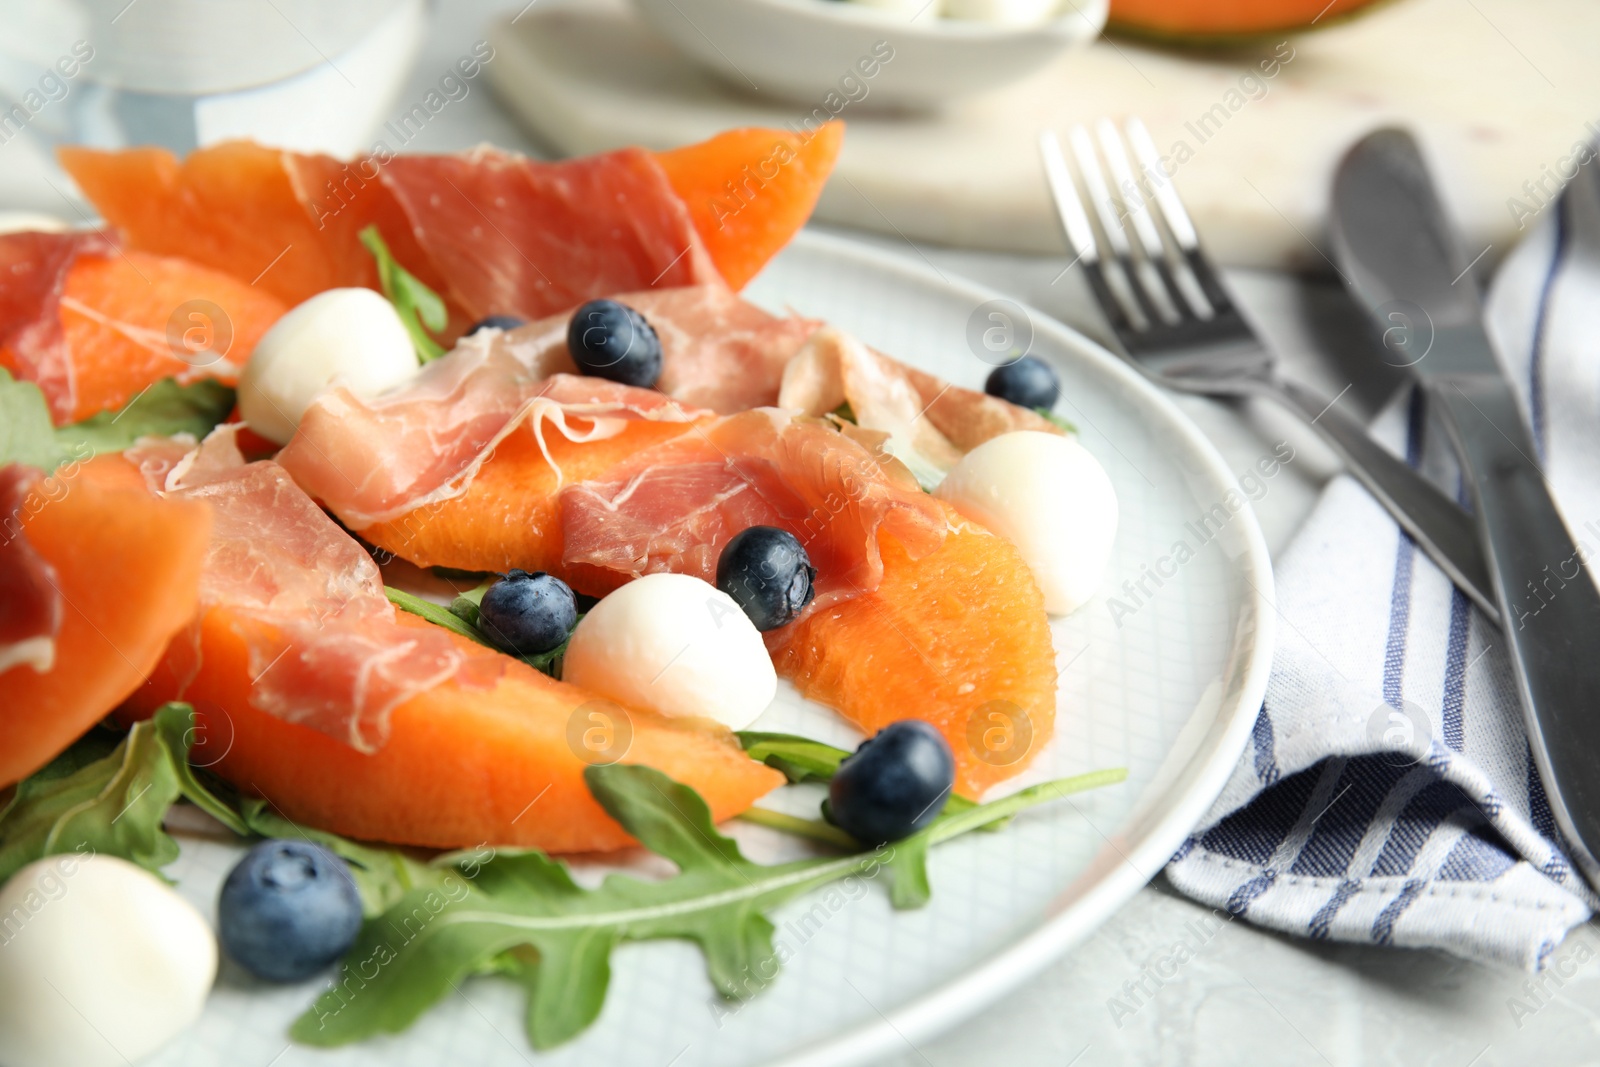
(1048, 496)
(1003, 12)
(677, 645)
(100, 963)
(350, 336)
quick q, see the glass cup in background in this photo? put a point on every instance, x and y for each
(310, 75)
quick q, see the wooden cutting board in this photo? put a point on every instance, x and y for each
(1500, 92)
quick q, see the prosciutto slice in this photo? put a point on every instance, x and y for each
(325, 648)
(719, 352)
(375, 460)
(929, 422)
(33, 274)
(673, 507)
(30, 598)
(511, 235)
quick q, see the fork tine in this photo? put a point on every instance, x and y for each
(1080, 234)
(1074, 221)
(1176, 216)
(1138, 213)
(1094, 181)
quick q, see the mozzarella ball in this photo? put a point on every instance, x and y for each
(1003, 12)
(349, 337)
(1049, 497)
(100, 963)
(677, 645)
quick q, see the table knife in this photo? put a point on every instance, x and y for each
(1394, 243)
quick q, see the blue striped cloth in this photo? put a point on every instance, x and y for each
(1388, 794)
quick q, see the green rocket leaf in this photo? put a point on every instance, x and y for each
(522, 915)
(420, 308)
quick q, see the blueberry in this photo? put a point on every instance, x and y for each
(497, 322)
(287, 910)
(528, 613)
(896, 783)
(1026, 382)
(767, 573)
(611, 340)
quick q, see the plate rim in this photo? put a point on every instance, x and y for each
(942, 1008)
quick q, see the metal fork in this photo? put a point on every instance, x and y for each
(1193, 339)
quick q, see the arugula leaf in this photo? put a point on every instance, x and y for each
(465, 605)
(522, 915)
(435, 614)
(164, 409)
(844, 412)
(26, 432)
(112, 804)
(461, 617)
(799, 758)
(1057, 419)
(418, 305)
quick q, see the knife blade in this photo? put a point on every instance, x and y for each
(1396, 248)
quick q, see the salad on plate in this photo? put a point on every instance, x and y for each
(422, 519)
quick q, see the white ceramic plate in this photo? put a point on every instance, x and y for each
(1169, 690)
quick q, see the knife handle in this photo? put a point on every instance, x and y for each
(1438, 524)
(1549, 604)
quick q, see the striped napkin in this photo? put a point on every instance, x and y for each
(1388, 794)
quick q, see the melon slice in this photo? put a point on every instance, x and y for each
(750, 190)
(510, 515)
(958, 638)
(131, 320)
(498, 760)
(1226, 22)
(128, 568)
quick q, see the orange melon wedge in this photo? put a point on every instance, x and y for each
(510, 515)
(750, 190)
(237, 207)
(128, 567)
(133, 319)
(958, 638)
(465, 764)
(1218, 22)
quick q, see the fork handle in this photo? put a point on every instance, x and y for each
(1438, 524)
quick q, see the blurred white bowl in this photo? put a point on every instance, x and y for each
(805, 50)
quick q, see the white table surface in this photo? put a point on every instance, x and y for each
(1246, 996)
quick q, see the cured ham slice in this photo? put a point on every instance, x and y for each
(33, 273)
(511, 235)
(719, 352)
(324, 648)
(674, 507)
(494, 232)
(377, 460)
(930, 423)
(30, 597)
